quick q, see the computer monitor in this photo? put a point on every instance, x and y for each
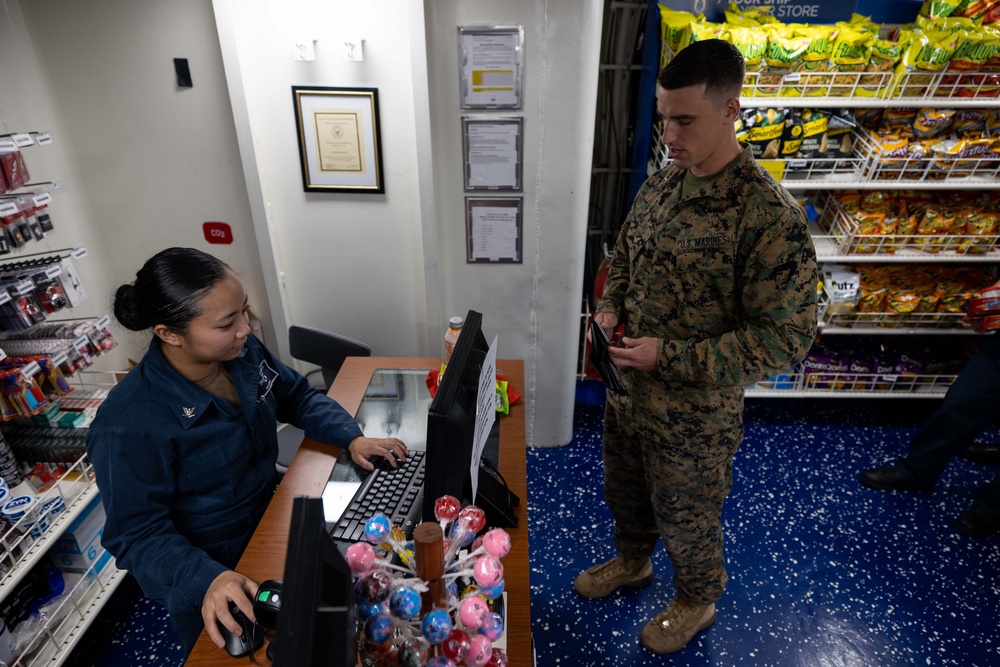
(316, 621)
(451, 419)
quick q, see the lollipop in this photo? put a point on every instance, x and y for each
(495, 543)
(487, 571)
(379, 627)
(498, 659)
(492, 626)
(376, 586)
(473, 517)
(368, 609)
(492, 592)
(457, 645)
(378, 528)
(480, 651)
(436, 626)
(404, 603)
(446, 509)
(440, 661)
(471, 611)
(360, 557)
(413, 652)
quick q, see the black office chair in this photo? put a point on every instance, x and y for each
(326, 350)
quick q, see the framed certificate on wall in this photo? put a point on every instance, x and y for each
(340, 148)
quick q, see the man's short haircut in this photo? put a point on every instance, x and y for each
(713, 62)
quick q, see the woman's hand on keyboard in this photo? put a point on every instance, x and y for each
(390, 449)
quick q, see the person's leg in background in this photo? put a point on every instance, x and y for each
(969, 407)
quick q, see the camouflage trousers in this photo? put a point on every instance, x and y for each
(669, 483)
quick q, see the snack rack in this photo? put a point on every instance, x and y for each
(798, 383)
(837, 239)
(76, 609)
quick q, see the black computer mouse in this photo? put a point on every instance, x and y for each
(267, 604)
(251, 639)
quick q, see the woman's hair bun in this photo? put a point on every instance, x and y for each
(127, 309)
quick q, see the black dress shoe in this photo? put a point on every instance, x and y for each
(986, 453)
(891, 479)
(980, 521)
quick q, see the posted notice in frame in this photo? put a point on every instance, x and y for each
(493, 154)
(491, 67)
(339, 141)
(495, 231)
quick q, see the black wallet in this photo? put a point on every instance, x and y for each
(599, 344)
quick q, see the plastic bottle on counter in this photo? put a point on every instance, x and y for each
(451, 336)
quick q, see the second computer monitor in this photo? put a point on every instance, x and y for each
(451, 421)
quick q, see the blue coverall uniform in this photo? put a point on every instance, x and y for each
(186, 475)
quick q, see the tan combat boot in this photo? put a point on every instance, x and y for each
(604, 579)
(674, 627)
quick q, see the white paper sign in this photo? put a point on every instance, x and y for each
(494, 232)
(486, 412)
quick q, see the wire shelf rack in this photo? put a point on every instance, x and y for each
(843, 232)
(802, 382)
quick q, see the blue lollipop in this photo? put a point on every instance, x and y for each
(379, 627)
(436, 626)
(404, 603)
(378, 528)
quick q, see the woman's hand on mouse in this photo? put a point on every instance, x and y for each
(227, 586)
(391, 449)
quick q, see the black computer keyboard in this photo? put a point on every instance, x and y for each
(398, 493)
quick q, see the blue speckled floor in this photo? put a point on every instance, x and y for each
(822, 570)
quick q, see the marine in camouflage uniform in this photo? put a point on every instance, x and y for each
(725, 278)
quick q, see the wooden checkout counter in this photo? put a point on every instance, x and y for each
(264, 557)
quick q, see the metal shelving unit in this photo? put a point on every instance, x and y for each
(870, 168)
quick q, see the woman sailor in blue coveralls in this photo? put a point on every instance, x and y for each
(184, 447)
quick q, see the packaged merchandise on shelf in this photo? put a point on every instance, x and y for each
(79, 547)
(20, 395)
(940, 54)
(13, 169)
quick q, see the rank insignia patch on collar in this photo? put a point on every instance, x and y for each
(188, 412)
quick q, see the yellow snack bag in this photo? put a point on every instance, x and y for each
(784, 53)
(697, 31)
(937, 9)
(851, 51)
(751, 41)
(924, 55)
(884, 56)
(815, 61)
(672, 25)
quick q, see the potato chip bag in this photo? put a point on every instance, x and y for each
(784, 52)
(884, 56)
(925, 54)
(751, 41)
(814, 63)
(814, 142)
(851, 51)
(937, 9)
(696, 31)
(672, 26)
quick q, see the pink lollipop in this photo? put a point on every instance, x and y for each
(471, 611)
(446, 508)
(360, 557)
(487, 571)
(497, 543)
(480, 651)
